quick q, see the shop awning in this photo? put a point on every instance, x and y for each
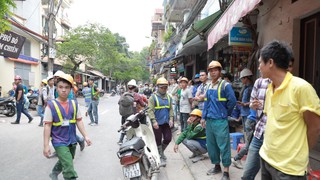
(195, 46)
(25, 59)
(164, 60)
(202, 26)
(230, 17)
(98, 73)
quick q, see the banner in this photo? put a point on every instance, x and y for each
(11, 44)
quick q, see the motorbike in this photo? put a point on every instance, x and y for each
(101, 94)
(33, 100)
(113, 93)
(7, 106)
(139, 155)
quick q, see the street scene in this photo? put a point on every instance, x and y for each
(159, 89)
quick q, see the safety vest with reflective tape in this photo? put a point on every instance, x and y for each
(162, 108)
(221, 84)
(63, 135)
(94, 92)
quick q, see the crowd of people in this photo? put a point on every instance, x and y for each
(279, 113)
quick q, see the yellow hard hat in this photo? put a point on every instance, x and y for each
(74, 83)
(214, 64)
(44, 81)
(162, 81)
(196, 112)
(68, 78)
(85, 84)
(184, 79)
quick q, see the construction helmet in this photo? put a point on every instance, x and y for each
(214, 64)
(245, 72)
(44, 81)
(85, 84)
(132, 82)
(49, 78)
(196, 112)
(68, 78)
(17, 77)
(162, 81)
(197, 76)
(184, 79)
(74, 83)
(58, 73)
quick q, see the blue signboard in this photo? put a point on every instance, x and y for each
(240, 36)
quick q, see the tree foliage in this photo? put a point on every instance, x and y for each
(109, 53)
(4, 11)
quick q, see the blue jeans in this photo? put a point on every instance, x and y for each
(20, 109)
(93, 111)
(252, 165)
(40, 113)
(183, 121)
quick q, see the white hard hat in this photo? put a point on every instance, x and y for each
(132, 82)
(245, 72)
(49, 77)
(58, 73)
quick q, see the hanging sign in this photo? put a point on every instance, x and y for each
(240, 36)
(11, 44)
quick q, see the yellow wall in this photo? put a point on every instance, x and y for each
(6, 75)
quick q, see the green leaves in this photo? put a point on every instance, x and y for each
(107, 52)
(4, 11)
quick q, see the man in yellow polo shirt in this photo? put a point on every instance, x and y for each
(293, 111)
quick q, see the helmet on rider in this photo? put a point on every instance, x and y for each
(49, 78)
(17, 77)
(132, 82)
(214, 64)
(196, 112)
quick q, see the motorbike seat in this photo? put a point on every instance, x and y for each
(134, 143)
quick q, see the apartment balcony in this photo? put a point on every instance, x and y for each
(175, 9)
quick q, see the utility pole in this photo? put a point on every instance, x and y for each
(51, 26)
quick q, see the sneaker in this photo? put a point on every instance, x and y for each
(15, 122)
(90, 123)
(193, 156)
(82, 145)
(225, 176)
(237, 163)
(198, 158)
(215, 170)
(53, 176)
(30, 120)
(93, 124)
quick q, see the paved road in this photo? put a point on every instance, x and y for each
(21, 150)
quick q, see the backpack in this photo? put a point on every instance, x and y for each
(126, 104)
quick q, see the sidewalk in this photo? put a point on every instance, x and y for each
(199, 169)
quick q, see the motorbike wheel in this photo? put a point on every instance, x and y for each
(12, 111)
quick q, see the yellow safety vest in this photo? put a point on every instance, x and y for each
(73, 120)
(219, 92)
(157, 106)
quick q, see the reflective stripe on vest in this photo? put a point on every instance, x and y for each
(73, 120)
(219, 92)
(201, 137)
(157, 103)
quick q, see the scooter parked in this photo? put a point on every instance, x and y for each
(139, 154)
(7, 106)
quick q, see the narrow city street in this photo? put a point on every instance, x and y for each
(22, 159)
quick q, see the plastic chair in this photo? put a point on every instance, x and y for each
(314, 175)
(236, 137)
(240, 145)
